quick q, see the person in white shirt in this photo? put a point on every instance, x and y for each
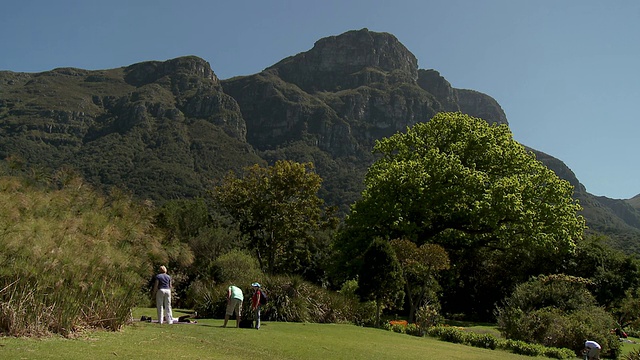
(592, 350)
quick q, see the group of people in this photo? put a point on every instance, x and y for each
(162, 291)
(235, 298)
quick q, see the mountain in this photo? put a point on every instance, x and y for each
(162, 130)
(167, 130)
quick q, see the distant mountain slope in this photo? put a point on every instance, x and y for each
(162, 130)
(171, 129)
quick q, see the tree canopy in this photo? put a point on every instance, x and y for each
(467, 185)
(278, 209)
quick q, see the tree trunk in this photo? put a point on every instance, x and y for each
(377, 313)
(412, 306)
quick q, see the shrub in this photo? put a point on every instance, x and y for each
(237, 267)
(414, 330)
(556, 311)
(399, 328)
(633, 332)
(447, 333)
(290, 299)
(488, 341)
(427, 316)
(210, 301)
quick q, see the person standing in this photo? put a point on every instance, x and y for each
(255, 303)
(592, 350)
(234, 304)
(162, 291)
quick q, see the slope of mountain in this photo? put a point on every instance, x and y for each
(171, 129)
(162, 130)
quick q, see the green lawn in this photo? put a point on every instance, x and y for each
(208, 340)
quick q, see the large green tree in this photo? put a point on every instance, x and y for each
(279, 210)
(468, 185)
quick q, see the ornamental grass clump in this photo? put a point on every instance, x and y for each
(71, 259)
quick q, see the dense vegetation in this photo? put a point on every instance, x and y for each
(456, 218)
(71, 258)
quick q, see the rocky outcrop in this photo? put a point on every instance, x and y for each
(480, 105)
(346, 92)
(195, 89)
(440, 88)
(349, 60)
(180, 70)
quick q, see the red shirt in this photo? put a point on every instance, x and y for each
(255, 299)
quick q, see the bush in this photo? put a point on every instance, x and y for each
(210, 301)
(414, 330)
(290, 299)
(447, 333)
(399, 328)
(556, 311)
(237, 267)
(427, 316)
(488, 341)
(633, 332)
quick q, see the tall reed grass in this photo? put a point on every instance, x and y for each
(70, 257)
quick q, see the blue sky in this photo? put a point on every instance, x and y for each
(566, 72)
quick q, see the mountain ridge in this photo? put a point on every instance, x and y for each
(170, 129)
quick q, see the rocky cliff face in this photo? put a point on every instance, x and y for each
(347, 61)
(346, 92)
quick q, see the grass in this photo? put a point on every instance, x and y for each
(275, 340)
(630, 344)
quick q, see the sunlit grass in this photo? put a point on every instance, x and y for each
(275, 340)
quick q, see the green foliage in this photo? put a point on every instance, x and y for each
(488, 341)
(556, 311)
(398, 328)
(469, 186)
(419, 269)
(364, 313)
(612, 272)
(291, 299)
(413, 330)
(380, 277)
(278, 209)
(237, 267)
(71, 258)
(207, 299)
(427, 316)
(628, 311)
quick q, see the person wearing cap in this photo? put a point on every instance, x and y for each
(592, 350)
(162, 292)
(255, 303)
(234, 304)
